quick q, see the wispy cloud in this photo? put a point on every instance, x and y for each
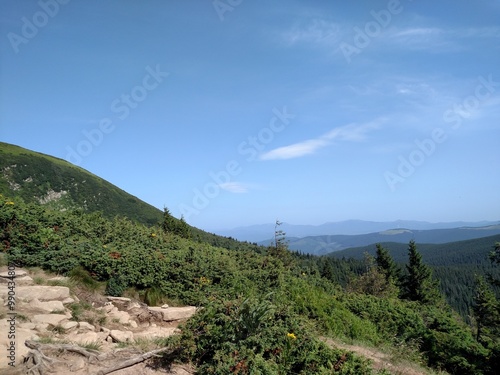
(296, 150)
(235, 187)
(437, 39)
(325, 34)
(421, 38)
(351, 132)
(317, 32)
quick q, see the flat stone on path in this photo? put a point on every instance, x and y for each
(14, 273)
(69, 326)
(123, 317)
(175, 313)
(86, 326)
(41, 292)
(49, 306)
(156, 332)
(24, 280)
(121, 336)
(53, 319)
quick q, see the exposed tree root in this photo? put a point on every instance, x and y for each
(38, 363)
(132, 361)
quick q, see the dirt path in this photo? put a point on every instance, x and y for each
(380, 360)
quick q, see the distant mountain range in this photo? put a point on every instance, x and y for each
(262, 233)
(320, 245)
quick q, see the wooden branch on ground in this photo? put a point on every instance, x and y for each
(64, 347)
(132, 362)
(41, 362)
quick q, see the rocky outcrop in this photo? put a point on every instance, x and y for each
(42, 311)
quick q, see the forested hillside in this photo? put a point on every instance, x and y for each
(456, 265)
(264, 310)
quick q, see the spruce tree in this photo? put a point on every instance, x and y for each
(169, 223)
(418, 283)
(386, 264)
(326, 269)
(495, 254)
(280, 248)
(373, 281)
(182, 228)
(485, 308)
(495, 259)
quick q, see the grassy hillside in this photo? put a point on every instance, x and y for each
(54, 182)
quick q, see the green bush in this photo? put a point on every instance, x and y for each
(116, 286)
(254, 336)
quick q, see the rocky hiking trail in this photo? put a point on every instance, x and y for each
(379, 359)
(58, 331)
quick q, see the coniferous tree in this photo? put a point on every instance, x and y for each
(386, 264)
(182, 228)
(495, 254)
(279, 237)
(373, 281)
(169, 223)
(485, 308)
(495, 258)
(418, 284)
(280, 248)
(326, 269)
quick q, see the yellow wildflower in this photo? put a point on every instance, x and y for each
(204, 280)
(291, 335)
(9, 203)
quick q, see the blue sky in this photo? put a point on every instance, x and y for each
(240, 112)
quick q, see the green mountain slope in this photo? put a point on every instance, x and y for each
(36, 177)
(57, 184)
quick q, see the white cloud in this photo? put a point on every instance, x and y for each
(234, 187)
(352, 133)
(296, 150)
